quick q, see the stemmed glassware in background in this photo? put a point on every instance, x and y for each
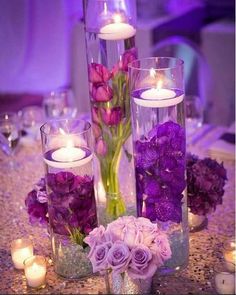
(9, 136)
(59, 103)
(32, 117)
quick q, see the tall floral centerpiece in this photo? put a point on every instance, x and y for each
(69, 200)
(110, 33)
(158, 124)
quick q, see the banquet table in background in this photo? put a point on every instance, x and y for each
(205, 246)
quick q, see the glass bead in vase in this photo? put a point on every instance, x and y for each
(110, 42)
(158, 129)
(68, 153)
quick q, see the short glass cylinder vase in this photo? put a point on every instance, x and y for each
(110, 41)
(68, 153)
(158, 129)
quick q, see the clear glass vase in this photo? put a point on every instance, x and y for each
(110, 42)
(158, 129)
(67, 152)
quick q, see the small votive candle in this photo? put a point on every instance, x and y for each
(35, 271)
(20, 250)
(224, 280)
(195, 221)
(229, 253)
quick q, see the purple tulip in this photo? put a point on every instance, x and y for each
(142, 265)
(98, 73)
(97, 131)
(101, 147)
(127, 57)
(118, 256)
(101, 93)
(111, 117)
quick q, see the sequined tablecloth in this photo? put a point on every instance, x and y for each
(205, 245)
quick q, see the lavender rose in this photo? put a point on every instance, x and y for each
(101, 93)
(161, 248)
(98, 73)
(126, 230)
(142, 264)
(95, 237)
(118, 257)
(99, 257)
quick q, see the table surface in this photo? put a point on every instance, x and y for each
(205, 246)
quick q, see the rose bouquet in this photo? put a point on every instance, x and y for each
(130, 245)
(110, 106)
(206, 179)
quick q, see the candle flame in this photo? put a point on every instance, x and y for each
(159, 84)
(232, 244)
(117, 18)
(105, 8)
(69, 143)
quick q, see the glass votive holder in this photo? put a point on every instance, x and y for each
(196, 222)
(35, 271)
(21, 249)
(224, 280)
(229, 253)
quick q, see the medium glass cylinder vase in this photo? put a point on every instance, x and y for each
(110, 41)
(68, 153)
(158, 129)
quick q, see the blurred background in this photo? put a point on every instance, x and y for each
(43, 49)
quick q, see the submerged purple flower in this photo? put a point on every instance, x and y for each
(101, 92)
(98, 73)
(111, 116)
(160, 172)
(62, 182)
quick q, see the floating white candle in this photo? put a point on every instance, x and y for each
(117, 31)
(35, 272)
(161, 98)
(21, 249)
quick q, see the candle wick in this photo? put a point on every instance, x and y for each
(223, 282)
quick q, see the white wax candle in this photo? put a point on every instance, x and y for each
(35, 274)
(158, 97)
(68, 154)
(230, 259)
(21, 250)
(68, 157)
(117, 31)
(224, 283)
(195, 220)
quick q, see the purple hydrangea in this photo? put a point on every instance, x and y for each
(160, 173)
(206, 179)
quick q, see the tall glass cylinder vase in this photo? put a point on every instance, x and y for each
(158, 129)
(110, 41)
(68, 153)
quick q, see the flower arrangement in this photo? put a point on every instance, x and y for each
(206, 179)
(111, 123)
(160, 172)
(128, 244)
(69, 207)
